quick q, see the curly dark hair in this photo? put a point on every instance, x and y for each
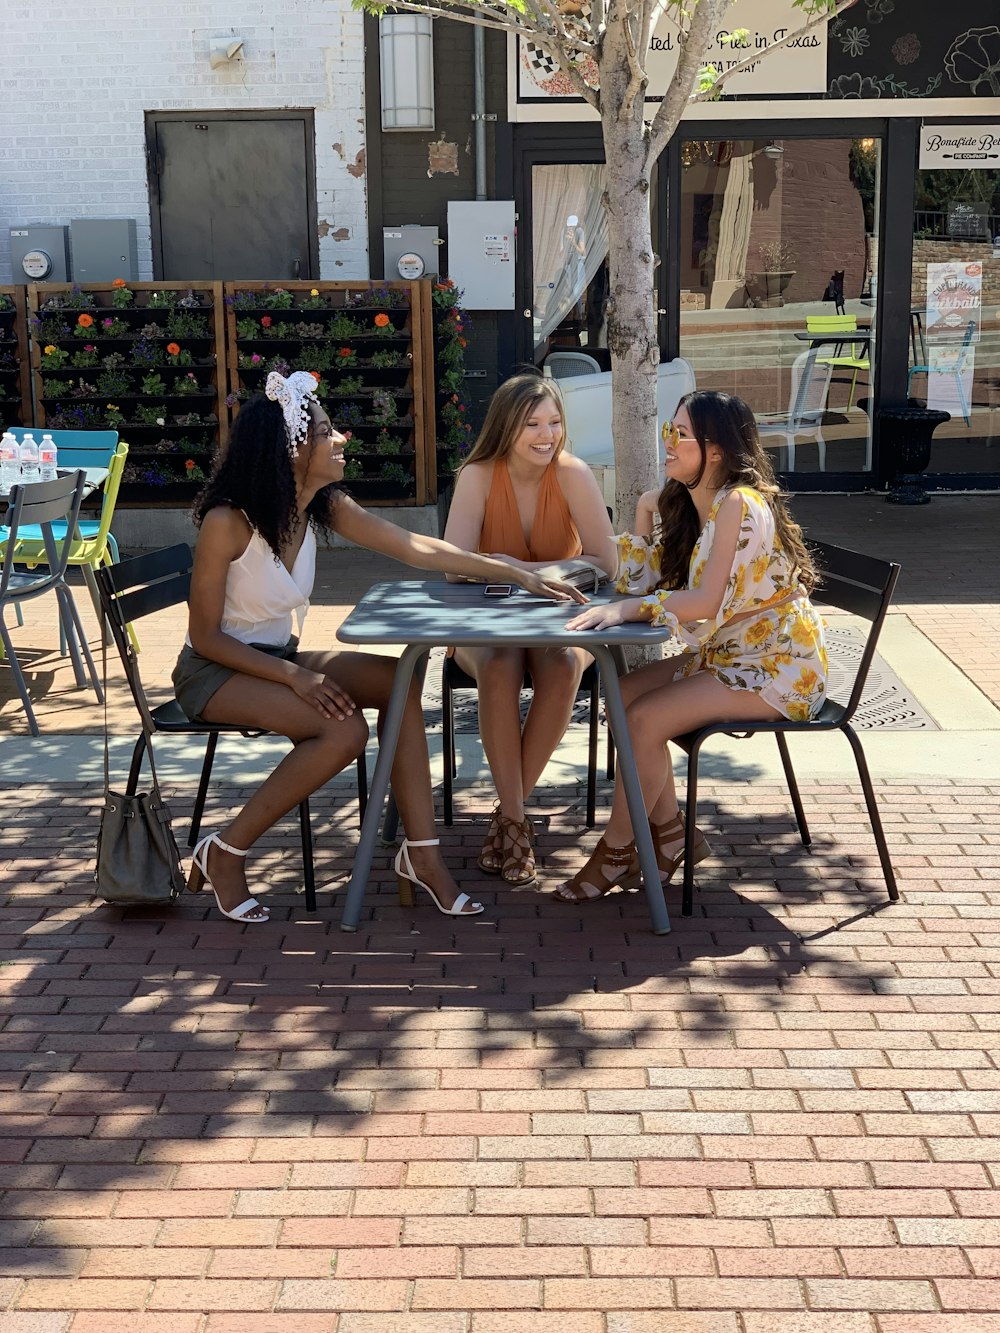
(254, 473)
(727, 421)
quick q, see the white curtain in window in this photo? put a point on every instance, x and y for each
(569, 240)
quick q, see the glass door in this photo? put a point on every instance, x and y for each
(955, 316)
(778, 265)
(569, 247)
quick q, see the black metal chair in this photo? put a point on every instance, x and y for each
(136, 588)
(862, 586)
(53, 506)
(454, 678)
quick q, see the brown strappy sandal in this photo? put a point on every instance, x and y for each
(492, 854)
(518, 852)
(671, 831)
(593, 880)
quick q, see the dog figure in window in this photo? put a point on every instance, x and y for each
(835, 290)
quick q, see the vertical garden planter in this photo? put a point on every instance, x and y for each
(450, 326)
(369, 346)
(145, 359)
(15, 379)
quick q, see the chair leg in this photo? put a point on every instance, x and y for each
(22, 689)
(793, 789)
(113, 548)
(390, 825)
(595, 703)
(854, 385)
(75, 624)
(135, 768)
(362, 787)
(873, 814)
(308, 874)
(690, 820)
(611, 756)
(199, 800)
(448, 751)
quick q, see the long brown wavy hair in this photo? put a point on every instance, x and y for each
(510, 407)
(724, 420)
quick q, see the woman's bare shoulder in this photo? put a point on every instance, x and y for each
(225, 529)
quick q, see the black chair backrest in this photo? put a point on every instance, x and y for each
(43, 503)
(136, 588)
(861, 585)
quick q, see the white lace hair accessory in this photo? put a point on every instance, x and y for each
(294, 395)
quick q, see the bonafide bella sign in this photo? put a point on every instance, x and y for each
(960, 147)
(797, 67)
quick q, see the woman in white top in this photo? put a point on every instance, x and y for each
(253, 574)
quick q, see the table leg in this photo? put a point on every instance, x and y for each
(379, 786)
(633, 792)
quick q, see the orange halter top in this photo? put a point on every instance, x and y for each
(554, 535)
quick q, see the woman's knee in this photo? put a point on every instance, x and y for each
(500, 668)
(347, 737)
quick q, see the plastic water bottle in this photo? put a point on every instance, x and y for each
(28, 456)
(10, 465)
(48, 458)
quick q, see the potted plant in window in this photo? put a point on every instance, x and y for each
(776, 269)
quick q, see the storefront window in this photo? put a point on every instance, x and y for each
(569, 238)
(779, 247)
(955, 349)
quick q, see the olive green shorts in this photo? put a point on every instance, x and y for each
(197, 678)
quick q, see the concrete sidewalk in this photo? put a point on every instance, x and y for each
(784, 1117)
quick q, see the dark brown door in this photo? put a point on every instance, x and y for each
(232, 196)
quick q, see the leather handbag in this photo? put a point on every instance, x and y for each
(137, 856)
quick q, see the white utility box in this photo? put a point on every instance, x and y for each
(481, 252)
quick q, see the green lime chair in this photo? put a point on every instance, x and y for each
(846, 324)
(95, 546)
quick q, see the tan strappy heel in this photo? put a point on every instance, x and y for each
(606, 868)
(491, 856)
(671, 831)
(518, 866)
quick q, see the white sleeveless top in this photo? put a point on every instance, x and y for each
(262, 596)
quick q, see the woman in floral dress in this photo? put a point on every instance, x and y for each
(730, 575)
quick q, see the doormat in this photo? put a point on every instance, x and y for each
(887, 704)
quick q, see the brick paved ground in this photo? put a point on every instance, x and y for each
(782, 1118)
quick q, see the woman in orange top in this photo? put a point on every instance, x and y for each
(520, 496)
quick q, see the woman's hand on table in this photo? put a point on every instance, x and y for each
(321, 692)
(607, 615)
(554, 589)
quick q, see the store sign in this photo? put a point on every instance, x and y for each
(960, 147)
(797, 67)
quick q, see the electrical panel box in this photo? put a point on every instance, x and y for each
(103, 249)
(481, 246)
(39, 254)
(410, 252)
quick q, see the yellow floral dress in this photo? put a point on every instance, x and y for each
(778, 653)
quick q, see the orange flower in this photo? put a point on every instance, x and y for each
(381, 321)
(316, 375)
(173, 349)
(85, 320)
(346, 351)
(118, 282)
(190, 465)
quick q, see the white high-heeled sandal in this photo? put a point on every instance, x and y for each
(198, 878)
(406, 877)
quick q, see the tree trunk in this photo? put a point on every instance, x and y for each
(632, 337)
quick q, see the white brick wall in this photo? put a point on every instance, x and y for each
(76, 79)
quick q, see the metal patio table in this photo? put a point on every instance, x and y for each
(429, 613)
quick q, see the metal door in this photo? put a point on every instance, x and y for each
(232, 196)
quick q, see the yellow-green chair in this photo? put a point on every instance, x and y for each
(826, 325)
(95, 546)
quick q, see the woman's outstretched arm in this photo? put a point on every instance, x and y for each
(411, 548)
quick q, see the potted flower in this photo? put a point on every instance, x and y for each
(776, 270)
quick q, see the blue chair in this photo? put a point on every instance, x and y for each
(77, 448)
(958, 370)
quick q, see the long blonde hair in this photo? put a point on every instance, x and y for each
(510, 407)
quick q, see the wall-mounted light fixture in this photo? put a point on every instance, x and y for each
(773, 150)
(406, 57)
